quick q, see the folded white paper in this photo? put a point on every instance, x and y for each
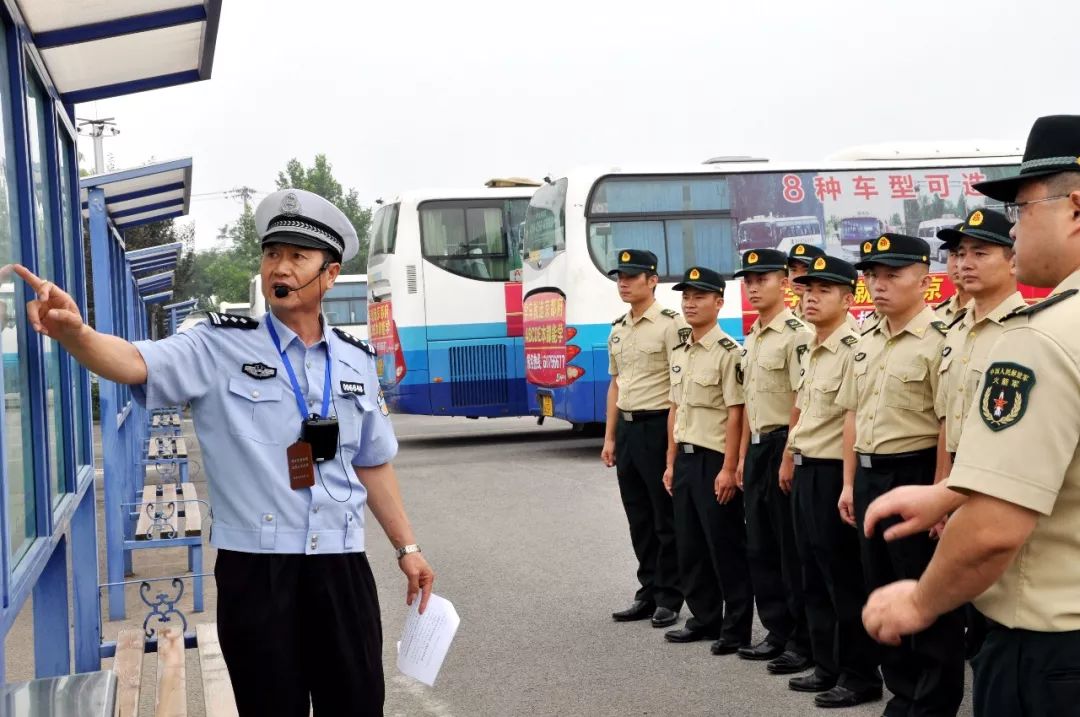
(426, 639)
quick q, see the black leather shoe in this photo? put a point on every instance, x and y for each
(788, 663)
(638, 610)
(811, 683)
(723, 646)
(664, 617)
(685, 634)
(843, 697)
(764, 650)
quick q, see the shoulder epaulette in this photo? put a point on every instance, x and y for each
(619, 320)
(940, 326)
(1044, 304)
(849, 340)
(959, 316)
(231, 321)
(669, 313)
(728, 344)
(350, 339)
(794, 324)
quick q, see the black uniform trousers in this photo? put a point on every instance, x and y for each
(711, 540)
(300, 631)
(775, 568)
(833, 585)
(926, 672)
(1022, 673)
(640, 461)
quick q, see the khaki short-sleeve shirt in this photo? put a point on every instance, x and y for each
(706, 380)
(947, 310)
(820, 430)
(638, 353)
(771, 369)
(963, 360)
(1021, 444)
(891, 385)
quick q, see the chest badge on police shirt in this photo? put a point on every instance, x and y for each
(353, 387)
(1006, 394)
(259, 370)
(382, 404)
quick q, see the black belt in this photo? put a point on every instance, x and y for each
(692, 448)
(631, 416)
(881, 460)
(756, 438)
(801, 460)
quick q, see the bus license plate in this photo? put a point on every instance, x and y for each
(547, 406)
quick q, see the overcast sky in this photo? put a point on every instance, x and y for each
(402, 95)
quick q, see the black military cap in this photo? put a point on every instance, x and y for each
(804, 254)
(698, 277)
(635, 261)
(1053, 146)
(830, 269)
(984, 224)
(894, 250)
(762, 261)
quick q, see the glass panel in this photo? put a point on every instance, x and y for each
(465, 238)
(38, 114)
(700, 242)
(21, 497)
(545, 224)
(677, 194)
(384, 231)
(515, 234)
(606, 239)
(73, 248)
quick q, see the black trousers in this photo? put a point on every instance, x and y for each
(640, 460)
(832, 575)
(774, 558)
(926, 672)
(1021, 673)
(711, 539)
(300, 631)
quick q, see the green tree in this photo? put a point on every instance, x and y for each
(319, 178)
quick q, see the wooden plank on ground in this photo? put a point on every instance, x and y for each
(217, 688)
(181, 447)
(171, 685)
(174, 420)
(168, 495)
(193, 517)
(128, 668)
(156, 422)
(142, 527)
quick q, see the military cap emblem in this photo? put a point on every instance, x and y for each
(1006, 393)
(259, 371)
(694, 275)
(819, 263)
(976, 219)
(800, 249)
(867, 247)
(625, 257)
(752, 258)
(883, 244)
(290, 205)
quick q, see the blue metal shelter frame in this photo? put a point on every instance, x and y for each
(48, 532)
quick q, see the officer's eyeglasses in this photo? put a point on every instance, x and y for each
(1012, 209)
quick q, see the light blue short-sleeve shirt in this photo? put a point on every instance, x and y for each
(246, 416)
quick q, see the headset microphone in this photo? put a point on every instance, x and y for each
(282, 291)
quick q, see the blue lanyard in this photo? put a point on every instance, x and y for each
(292, 376)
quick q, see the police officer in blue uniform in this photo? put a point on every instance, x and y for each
(296, 440)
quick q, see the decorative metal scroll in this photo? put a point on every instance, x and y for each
(162, 606)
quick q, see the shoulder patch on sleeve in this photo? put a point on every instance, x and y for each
(619, 320)
(940, 326)
(728, 344)
(1044, 304)
(958, 318)
(794, 324)
(1005, 394)
(231, 321)
(849, 340)
(350, 339)
(669, 313)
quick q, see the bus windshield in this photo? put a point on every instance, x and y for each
(807, 228)
(346, 304)
(545, 223)
(384, 230)
(475, 238)
(755, 233)
(860, 228)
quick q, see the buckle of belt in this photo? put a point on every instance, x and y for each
(798, 458)
(627, 416)
(864, 461)
(686, 447)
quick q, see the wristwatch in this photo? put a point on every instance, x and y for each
(406, 549)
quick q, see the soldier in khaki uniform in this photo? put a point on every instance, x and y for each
(635, 438)
(771, 367)
(949, 309)
(845, 657)
(891, 426)
(798, 263)
(703, 455)
(1012, 545)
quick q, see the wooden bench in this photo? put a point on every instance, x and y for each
(185, 517)
(171, 694)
